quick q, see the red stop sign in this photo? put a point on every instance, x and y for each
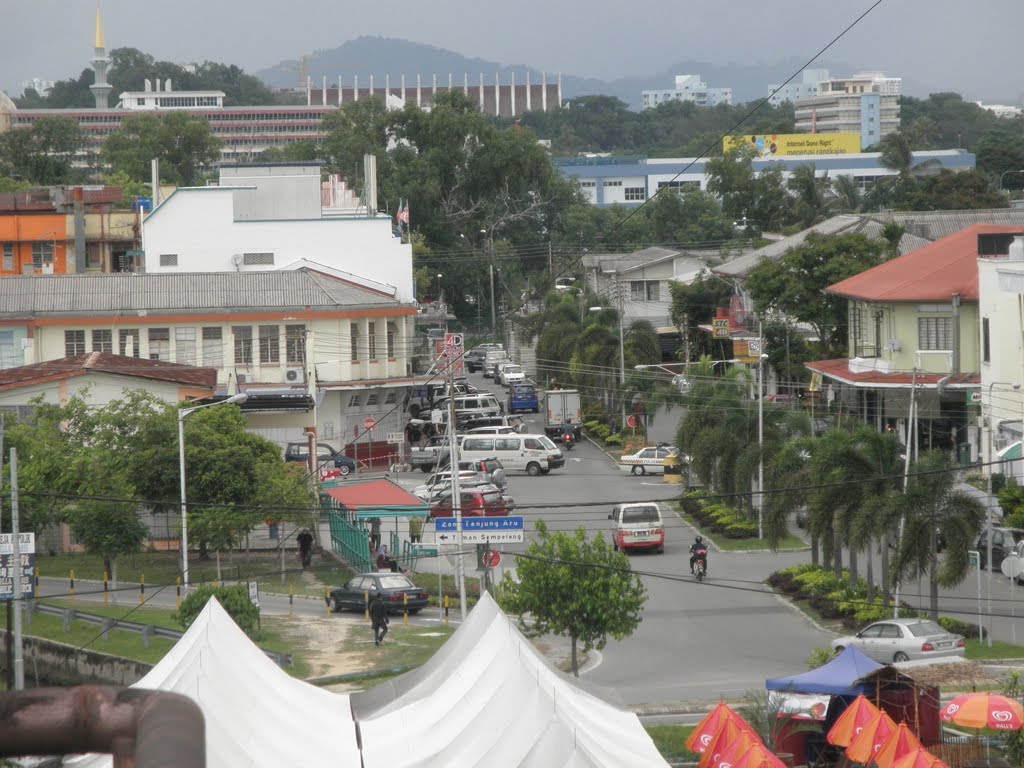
(369, 425)
(492, 559)
(631, 421)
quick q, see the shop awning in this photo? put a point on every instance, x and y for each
(377, 498)
(1012, 452)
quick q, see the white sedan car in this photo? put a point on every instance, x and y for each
(903, 640)
(648, 460)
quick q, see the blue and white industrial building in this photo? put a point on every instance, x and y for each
(629, 181)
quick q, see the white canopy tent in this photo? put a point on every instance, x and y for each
(487, 697)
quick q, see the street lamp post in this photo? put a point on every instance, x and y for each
(988, 502)
(439, 276)
(1003, 174)
(241, 397)
(760, 444)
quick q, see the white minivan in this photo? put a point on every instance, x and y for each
(469, 406)
(533, 454)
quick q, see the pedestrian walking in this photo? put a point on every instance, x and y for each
(374, 533)
(378, 619)
(305, 542)
(415, 529)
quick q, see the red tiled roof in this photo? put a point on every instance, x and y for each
(374, 493)
(102, 362)
(869, 379)
(931, 273)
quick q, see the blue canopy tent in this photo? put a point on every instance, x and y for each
(843, 676)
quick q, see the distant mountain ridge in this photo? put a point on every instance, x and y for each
(381, 56)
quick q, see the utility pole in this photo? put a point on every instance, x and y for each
(490, 273)
(686, 344)
(453, 455)
(760, 429)
(19, 661)
(622, 355)
(911, 436)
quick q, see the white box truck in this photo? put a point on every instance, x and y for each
(562, 406)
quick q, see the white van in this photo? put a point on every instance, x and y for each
(533, 454)
(491, 358)
(469, 406)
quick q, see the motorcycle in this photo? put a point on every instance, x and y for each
(568, 440)
(700, 564)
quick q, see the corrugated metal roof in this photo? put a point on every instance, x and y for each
(209, 291)
(922, 227)
(932, 273)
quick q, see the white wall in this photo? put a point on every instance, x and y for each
(96, 389)
(198, 226)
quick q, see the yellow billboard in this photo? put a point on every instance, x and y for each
(786, 144)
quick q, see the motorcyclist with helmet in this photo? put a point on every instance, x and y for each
(701, 547)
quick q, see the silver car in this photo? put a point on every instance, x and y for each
(903, 640)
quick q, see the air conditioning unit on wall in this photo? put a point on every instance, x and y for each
(293, 375)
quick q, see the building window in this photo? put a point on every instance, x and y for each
(635, 193)
(391, 340)
(986, 345)
(128, 342)
(270, 344)
(353, 332)
(371, 341)
(588, 184)
(8, 351)
(371, 398)
(613, 183)
(168, 259)
(42, 254)
(103, 341)
(74, 343)
(93, 256)
(258, 259)
(295, 344)
(213, 347)
(243, 343)
(644, 290)
(353, 401)
(185, 345)
(159, 343)
(8, 250)
(935, 333)
(391, 397)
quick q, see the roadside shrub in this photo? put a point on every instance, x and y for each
(741, 530)
(590, 426)
(958, 627)
(234, 600)
(594, 412)
(613, 440)
(693, 503)
(819, 583)
(601, 431)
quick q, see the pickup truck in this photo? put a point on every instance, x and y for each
(326, 456)
(425, 458)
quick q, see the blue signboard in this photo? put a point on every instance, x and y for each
(447, 524)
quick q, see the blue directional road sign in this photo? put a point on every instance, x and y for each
(477, 530)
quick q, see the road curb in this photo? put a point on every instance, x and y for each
(601, 448)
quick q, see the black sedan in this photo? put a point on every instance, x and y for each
(393, 586)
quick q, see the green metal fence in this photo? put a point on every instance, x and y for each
(350, 540)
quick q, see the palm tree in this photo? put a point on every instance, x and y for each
(896, 154)
(846, 195)
(810, 204)
(929, 507)
(788, 474)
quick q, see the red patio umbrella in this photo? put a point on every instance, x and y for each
(758, 756)
(722, 738)
(984, 710)
(735, 750)
(706, 729)
(919, 758)
(871, 738)
(902, 742)
(853, 720)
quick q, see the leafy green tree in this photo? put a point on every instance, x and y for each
(575, 587)
(932, 506)
(358, 128)
(130, 188)
(185, 146)
(794, 286)
(846, 195)
(695, 303)
(1001, 150)
(234, 599)
(43, 154)
(811, 191)
(954, 191)
(296, 152)
(731, 179)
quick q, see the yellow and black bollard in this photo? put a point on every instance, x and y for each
(142, 588)
(673, 470)
(106, 587)
(446, 610)
(72, 591)
(366, 603)
(177, 584)
(405, 608)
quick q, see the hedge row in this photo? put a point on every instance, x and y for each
(833, 598)
(718, 518)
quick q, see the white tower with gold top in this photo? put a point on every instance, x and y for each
(100, 64)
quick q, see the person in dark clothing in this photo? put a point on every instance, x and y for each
(374, 533)
(305, 542)
(378, 619)
(699, 546)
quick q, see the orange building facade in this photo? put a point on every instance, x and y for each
(58, 231)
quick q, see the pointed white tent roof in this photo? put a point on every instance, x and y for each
(488, 697)
(256, 714)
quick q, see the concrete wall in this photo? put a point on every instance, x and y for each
(282, 193)
(199, 227)
(96, 389)
(63, 664)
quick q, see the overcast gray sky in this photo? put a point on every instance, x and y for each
(965, 46)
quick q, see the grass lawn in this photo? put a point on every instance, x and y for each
(789, 541)
(428, 583)
(164, 568)
(979, 650)
(404, 646)
(670, 741)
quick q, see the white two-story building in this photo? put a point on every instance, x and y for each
(309, 348)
